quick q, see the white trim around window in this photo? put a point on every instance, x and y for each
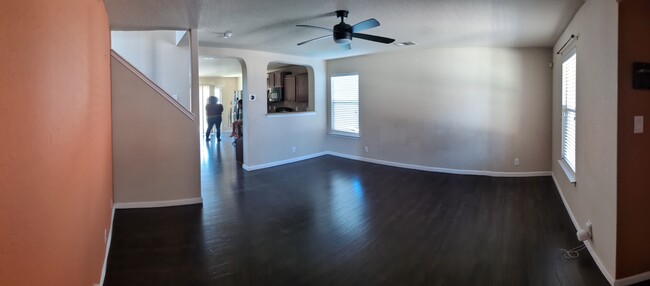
(569, 114)
(344, 105)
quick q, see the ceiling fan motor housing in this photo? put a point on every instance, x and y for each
(342, 33)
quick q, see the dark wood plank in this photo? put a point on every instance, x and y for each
(341, 222)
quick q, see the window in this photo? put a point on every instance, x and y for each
(204, 91)
(345, 104)
(569, 113)
(217, 93)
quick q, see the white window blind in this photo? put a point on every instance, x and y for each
(204, 91)
(217, 93)
(345, 103)
(569, 110)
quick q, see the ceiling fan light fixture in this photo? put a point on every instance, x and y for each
(401, 44)
(342, 41)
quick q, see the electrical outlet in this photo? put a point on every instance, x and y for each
(638, 124)
(293, 149)
(365, 148)
(516, 161)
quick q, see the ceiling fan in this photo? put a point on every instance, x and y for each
(343, 33)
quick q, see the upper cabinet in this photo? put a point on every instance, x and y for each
(296, 88)
(290, 88)
(276, 79)
(302, 88)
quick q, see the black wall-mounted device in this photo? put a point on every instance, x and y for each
(641, 75)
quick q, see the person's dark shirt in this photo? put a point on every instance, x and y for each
(213, 109)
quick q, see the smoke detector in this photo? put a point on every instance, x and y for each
(225, 35)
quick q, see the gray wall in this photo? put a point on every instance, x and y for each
(594, 196)
(462, 108)
(155, 145)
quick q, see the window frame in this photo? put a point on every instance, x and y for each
(333, 131)
(568, 167)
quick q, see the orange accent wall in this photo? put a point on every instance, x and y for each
(55, 141)
(633, 237)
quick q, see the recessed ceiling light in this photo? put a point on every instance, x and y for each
(400, 44)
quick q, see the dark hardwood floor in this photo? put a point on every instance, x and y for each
(332, 221)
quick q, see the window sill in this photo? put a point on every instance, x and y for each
(290, 114)
(344, 134)
(571, 176)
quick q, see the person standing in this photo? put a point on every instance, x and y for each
(213, 111)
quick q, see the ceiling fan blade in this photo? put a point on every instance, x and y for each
(314, 39)
(346, 47)
(314, 27)
(373, 38)
(365, 25)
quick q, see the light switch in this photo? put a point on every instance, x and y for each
(638, 124)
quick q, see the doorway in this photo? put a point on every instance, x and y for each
(222, 78)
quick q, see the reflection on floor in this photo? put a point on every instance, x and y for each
(333, 221)
(219, 169)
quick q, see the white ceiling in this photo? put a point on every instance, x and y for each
(221, 67)
(270, 25)
(211, 66)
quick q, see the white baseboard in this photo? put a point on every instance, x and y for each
(158, 204)
(632, 279)
(590, 248)
(282, 162)
(108, 248)
(442, 170)
(400, 165)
